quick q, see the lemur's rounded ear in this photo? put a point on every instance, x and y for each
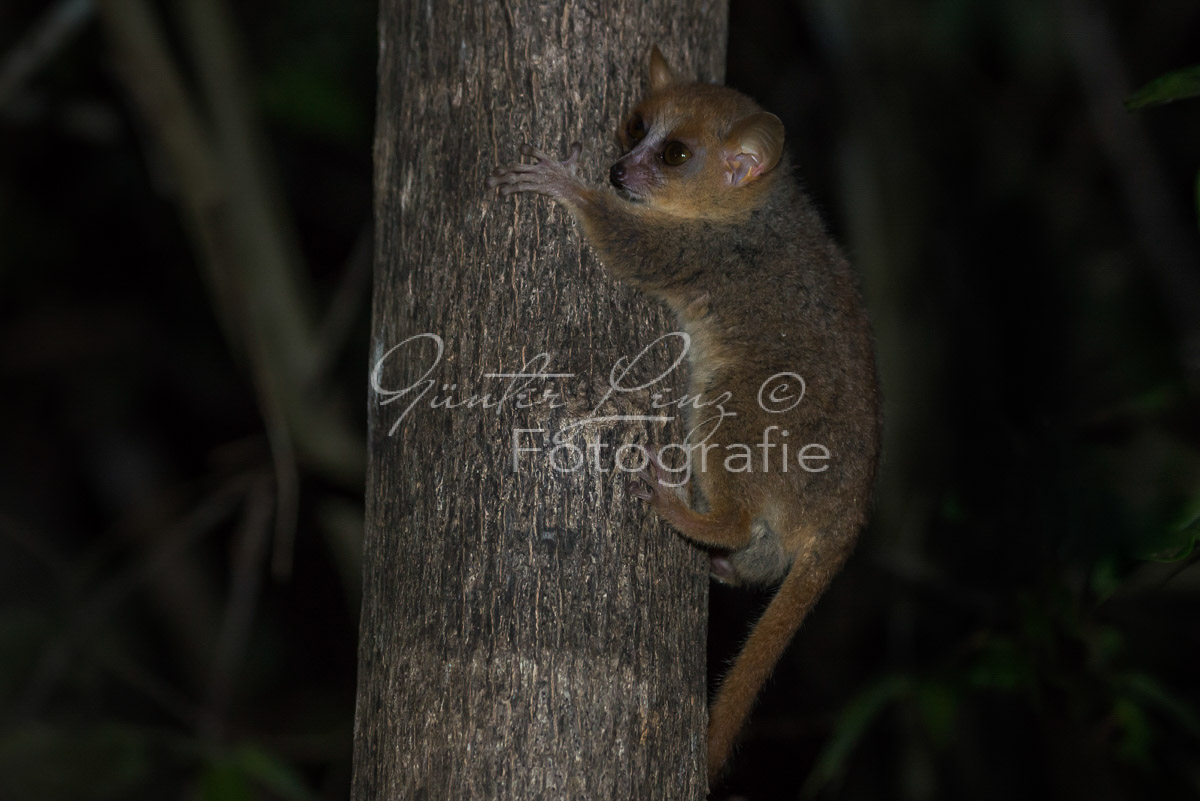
(753, 147)
(661, 75)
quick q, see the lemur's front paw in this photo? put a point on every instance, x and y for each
(656, 484)
(545, 174)
(640, 487)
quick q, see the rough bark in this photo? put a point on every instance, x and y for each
(531, 633)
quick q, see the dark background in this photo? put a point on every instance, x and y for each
(1021, 619)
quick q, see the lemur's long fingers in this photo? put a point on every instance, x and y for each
(513, 169)
(514, 188)
(638, 488)
(530, 151)
(572, 155)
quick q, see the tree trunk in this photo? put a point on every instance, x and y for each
(527, 633)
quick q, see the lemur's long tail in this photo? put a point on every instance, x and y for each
(803, 585)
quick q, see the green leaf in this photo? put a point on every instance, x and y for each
(938, 704)
(224, 780)
(1154, 694)
(1172, 86)
(1133, 731)
(313, 102)
(1106, 644)
(1188, 517)
(1180, 538)
(1105, 577)
(1002, 665)
(242, 773)
(852, 725)
(273, 773)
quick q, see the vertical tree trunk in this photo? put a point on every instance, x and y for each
(529, 633)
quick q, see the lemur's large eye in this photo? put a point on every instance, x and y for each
(635, 129)
(675, 153)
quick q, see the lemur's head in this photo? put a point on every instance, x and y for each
(694, 149)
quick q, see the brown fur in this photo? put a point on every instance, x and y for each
(728, 240)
